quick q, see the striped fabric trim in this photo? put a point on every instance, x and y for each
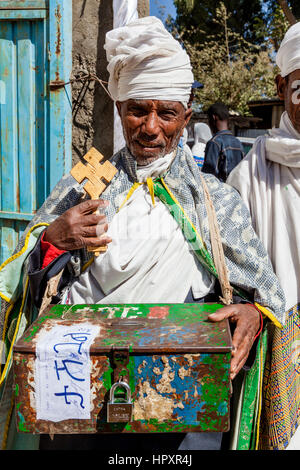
(281, 385)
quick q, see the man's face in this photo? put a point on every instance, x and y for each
(152, 128)
(288, 89)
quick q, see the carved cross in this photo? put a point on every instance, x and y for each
(98, 176)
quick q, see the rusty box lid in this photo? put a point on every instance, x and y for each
(142, 328)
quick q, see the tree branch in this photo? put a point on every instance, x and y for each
(287, 12)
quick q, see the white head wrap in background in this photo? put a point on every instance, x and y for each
(202, 133)
(288, 55)
(146, 62)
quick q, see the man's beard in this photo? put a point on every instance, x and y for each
(147, 160)
(143, 161)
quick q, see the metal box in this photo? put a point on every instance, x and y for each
(175, 361)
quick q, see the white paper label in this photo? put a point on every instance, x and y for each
(63, 371)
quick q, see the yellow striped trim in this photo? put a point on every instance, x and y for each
(268, 314)
(181, 208)
(15, 334)
(4, 330)
(16, 255)
(4, 297)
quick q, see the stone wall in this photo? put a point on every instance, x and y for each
(92, 107)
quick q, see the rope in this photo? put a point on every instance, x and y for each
(217, 248)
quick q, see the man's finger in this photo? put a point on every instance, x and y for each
(94, 231)
(224, 312)
(91, 205)
(93, 219)
(241, 333)
(239, 358)
(95, 242)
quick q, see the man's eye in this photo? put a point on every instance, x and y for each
(167, 115)
(138, 112)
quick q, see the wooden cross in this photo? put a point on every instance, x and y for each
(98, 176)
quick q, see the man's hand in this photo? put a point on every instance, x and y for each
(79, 227)
(247, 321)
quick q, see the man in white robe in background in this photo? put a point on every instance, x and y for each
(268, 180)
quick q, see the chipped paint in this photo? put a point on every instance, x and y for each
(153, 405)
(142, 366)
(183, 372)
(171, 390)
(164, 385)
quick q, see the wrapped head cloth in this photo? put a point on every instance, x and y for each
(146, 62)
(288, 55)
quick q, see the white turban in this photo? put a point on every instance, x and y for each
(288, 56)
(146, 62)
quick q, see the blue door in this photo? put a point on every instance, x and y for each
(35, 109)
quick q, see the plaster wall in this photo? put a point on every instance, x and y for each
(92, 107)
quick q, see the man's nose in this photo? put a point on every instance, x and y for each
(151, 124)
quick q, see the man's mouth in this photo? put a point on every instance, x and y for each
(149, 145)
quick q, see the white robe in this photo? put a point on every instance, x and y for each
(268, 180)
(148, 260)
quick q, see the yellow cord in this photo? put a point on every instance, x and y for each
(4, 329)
(15, 334)
(151, 189)
(19, 253)
(130, 193)
(136, 185)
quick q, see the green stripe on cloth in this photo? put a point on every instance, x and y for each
(248, 427)
(248, 419)
(189, 231)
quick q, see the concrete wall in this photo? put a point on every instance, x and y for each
(92, 107)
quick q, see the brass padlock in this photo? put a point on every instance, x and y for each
(120, 412)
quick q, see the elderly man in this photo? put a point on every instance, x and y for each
(154, 222)
(269, 182)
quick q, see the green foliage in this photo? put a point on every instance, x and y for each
(232, 69)
(195, 19)
(275, 24)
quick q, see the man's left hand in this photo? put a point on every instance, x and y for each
(247, 320)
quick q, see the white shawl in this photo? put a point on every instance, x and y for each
(268, 180)
(148, 260)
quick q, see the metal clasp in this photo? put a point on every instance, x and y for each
(120, 412)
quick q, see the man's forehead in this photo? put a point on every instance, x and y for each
(295, 75)
(157, 104)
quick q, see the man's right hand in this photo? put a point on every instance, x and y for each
(79, 227)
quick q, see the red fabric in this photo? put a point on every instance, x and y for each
(261, 322)
(49, 252)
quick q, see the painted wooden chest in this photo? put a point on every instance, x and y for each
(73, 364)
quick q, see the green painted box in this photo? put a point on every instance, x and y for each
(174, 359)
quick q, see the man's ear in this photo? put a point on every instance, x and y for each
(188, 115)
(281, 86)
